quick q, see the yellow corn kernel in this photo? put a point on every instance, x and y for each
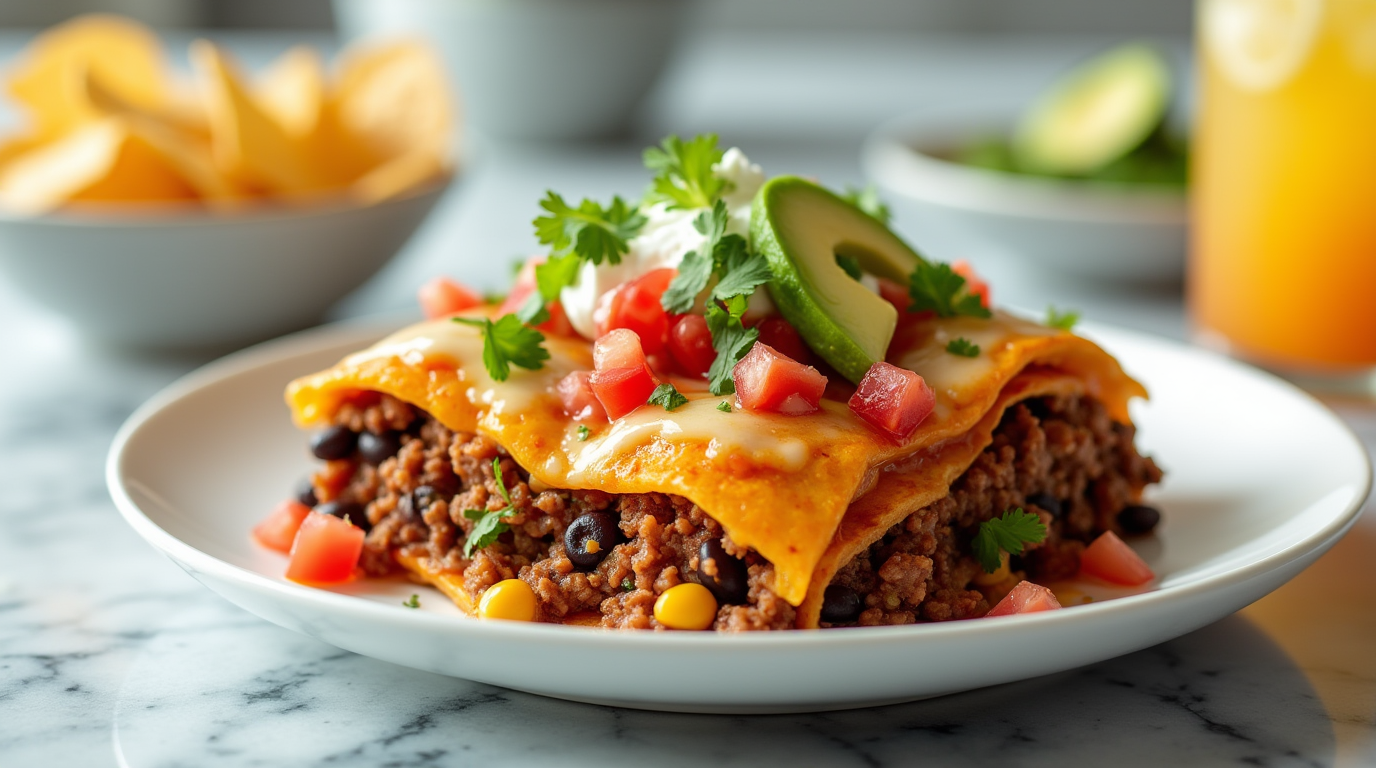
(686, 606)
(511, 599)
(990, 579)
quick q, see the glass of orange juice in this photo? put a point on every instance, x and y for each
(1283, 251)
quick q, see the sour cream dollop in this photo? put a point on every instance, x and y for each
(668, 236)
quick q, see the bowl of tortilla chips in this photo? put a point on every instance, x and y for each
(161, 210)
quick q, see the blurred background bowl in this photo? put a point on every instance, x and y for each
(535, 69)
(1089, 229)
(200, 280)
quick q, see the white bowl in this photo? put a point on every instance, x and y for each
(536, 69)
(1091, 229)
(195, 279)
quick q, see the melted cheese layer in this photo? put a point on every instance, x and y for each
(777, 484)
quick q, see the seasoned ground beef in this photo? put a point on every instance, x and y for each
(920, 570)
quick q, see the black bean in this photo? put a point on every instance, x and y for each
(589, 538)
(840, 605)
(1047, 502)
(1138, 519)
(346, 510)
(375, 448)
(334, 443)
(423, 497)
(305, 492)
(729, 583)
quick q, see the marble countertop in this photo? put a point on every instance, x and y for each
(110, 655)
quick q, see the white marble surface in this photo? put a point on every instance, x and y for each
(109, 655)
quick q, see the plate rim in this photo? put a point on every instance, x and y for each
(358, 330)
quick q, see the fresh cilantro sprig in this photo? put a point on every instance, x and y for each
(963, 347)
(592, 232)
(936, 287)
(741, 272)
(731, 339)
(1063, 320)
(1007, 534)
(867, 200)
(683, 172)
(501, 483)
(508, 342)
(667, 395)
(489, 527)
(697, 266)
(414, 602)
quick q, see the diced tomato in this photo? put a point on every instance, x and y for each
(895, 294)
(1112, 560)
(974, 284)
(635, 306)
(893, 399)
(1026, 597)
(622, 390)
(326, 550)
(278, 529)
(767, 380)
(782, 336)
(441, 297)
(580, 402)
(558, 323)
(691, 345)
(617, 349)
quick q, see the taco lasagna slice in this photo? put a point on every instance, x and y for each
(680, 419)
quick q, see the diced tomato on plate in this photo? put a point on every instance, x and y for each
(278, 529)
(635, 305)
(893, 399)
(1111, 559)
(974, 284)
(580, 402)
(442, 297)
(690, 344)
(767, 380)
(326, 550)
(781, 335)
(1026, 597)
(621, 380)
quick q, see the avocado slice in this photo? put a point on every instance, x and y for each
(800, 228)
(1096, 114)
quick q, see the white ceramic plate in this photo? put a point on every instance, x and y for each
(1261, 480)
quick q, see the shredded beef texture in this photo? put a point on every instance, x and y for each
(921, 570)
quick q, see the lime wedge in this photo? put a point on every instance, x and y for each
(1098, 113)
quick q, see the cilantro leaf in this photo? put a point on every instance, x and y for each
(1008, 534)
(1064, 320)
(963, 347)
(668, 396)
(724, 407)
(508, 342)
(590, 231)
(583, 432)
(414, 602)
(850, 265)
(867, 200)
(683, 172)
(555, 273)
(489, 527)
(742, 273)
(935, 287)
(628, 584)
(501, 482)
(730, 339)
(697, 266)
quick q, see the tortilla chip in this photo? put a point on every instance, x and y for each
(399, 175)
(248, 145)
(393, 99)
(105, 161)
(292, 91)
(49, 79)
